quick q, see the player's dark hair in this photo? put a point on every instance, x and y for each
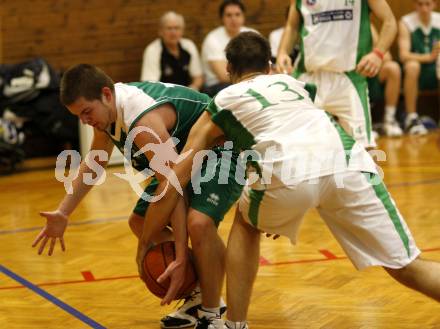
(226, 3)
(248, 52)
(83, 80)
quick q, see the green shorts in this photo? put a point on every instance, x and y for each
(214, 197)
(427, 81)
(375, 89)
(428, 77)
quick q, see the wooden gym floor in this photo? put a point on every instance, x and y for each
(311, 285)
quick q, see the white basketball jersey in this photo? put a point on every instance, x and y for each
(292, 140)
(334, 34)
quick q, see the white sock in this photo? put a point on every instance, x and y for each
(390, 113)
(235, 325)
(410, 117)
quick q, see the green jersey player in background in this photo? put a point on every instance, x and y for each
(419, 49)
(159, 111)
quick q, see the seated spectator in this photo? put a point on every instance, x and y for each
(419, 35)
(232, 14)
(389, 75)
(171, 58)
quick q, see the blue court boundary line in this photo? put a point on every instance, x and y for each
(119, 218)
(69, 309)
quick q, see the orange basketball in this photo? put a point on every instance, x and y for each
(156, 261)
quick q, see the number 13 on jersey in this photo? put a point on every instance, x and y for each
(273, 94)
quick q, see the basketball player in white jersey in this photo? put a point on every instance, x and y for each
(301, 159)
(337, 55)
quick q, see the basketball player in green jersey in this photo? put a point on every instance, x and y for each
(419, 48)
(336, 54)
(158, 111)
(304, 160)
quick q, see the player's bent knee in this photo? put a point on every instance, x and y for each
(135, 222)
(412, 68)
(200, 228)
(394, 69)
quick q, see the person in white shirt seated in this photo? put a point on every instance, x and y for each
(232, 14)
(172, 58)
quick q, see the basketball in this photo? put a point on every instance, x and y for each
(155, 263)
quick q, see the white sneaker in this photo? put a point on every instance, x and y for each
(209, 320)
(186, 315)
(416, 127)
(392, 129)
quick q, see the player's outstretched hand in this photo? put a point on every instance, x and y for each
(176, 272)
(56, 223)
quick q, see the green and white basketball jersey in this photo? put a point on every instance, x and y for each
(423, 38)
(334, 35)
(290, 139)
(135, 99)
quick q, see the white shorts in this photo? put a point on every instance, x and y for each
(363, 217)
(345, 95)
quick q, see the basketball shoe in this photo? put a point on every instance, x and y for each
(414, 126)
(208, 320)
(392, 128)
(186, 315)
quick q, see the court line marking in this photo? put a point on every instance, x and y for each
(329, 256)
(88, 276)
(119, 218)
(51, 298)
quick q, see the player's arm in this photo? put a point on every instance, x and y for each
(177, 215)
(371, 63)
(288, 40)
(203, 135)
(405, 53)
(375, 36)
(388, 31)
(57, 220)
